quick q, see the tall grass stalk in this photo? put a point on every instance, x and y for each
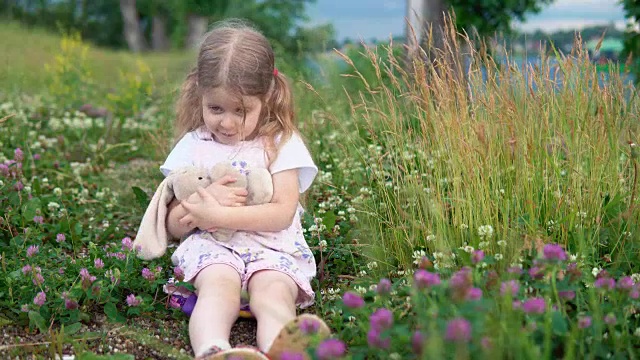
(540, 153)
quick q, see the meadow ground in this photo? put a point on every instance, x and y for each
(487, 215)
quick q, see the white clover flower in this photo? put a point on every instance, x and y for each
(430, 237)
(57, 191)
(485, 231)
(372, 265)
(362, 273)
(595, 271)
(53, 206)
(468, 249)
(322, 243)
(483, 245)
(27, 189)
(1, 183)
(498, 257)
(418, 255)
(502, 243)
(635, 277)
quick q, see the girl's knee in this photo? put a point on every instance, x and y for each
(269, 286)
(218, 276)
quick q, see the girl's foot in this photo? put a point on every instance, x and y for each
(298, 335)
(234, 354)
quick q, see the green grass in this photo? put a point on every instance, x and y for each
(26, 51)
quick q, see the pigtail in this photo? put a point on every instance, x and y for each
(280, 116)
(188, 107)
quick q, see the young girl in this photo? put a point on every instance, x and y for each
(234, 105)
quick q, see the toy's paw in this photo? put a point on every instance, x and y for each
(248, 353)
(298, 335)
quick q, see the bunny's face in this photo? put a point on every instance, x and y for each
(187, 181)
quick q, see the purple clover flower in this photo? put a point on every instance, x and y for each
(178, 273)
(584, 322)
(18, 154)
(132, 300)
(477, 256)
(510, 287)
(60, 238)
(70, 304)
(515, 270)
(127, 244)
(18, 186)
(148, 274)
(98, 263)
(458, 330)
(605, 283)
(610, 319)
(625, 283)
(535, 305)
(381, 319)
(330, 349)
(425, 279)
(352, 300)
(554, 252)
(32, 250)
(417, 342)
(567, 295)
(40, 298)
(38, 219)
(375, 340)
(536, 272)
(474, 294)
(26, 269)
(383, 287)
(38, 279)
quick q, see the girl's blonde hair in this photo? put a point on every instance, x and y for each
(238, 58)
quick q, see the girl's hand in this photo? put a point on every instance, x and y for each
(228, 195)
(201, 214)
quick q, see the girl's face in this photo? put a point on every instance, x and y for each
(224, 115)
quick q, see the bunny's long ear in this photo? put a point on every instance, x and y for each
(152, 238)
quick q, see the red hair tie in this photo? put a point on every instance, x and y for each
(275, 72)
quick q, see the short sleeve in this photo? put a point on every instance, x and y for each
(295, 155)
(181, 154)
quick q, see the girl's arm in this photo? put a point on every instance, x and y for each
(274, 216)
(175, 213)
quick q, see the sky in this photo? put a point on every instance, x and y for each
(379, 19)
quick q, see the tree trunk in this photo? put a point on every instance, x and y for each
(434, 23)
(197, 25)
(414, 26)
(132, 32)
(159, 40)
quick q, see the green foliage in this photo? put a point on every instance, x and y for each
(100, 22)
(632, 37)
(545, 306)
(453, 163)
(491, 16)
(69, 76)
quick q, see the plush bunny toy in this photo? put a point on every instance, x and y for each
(152, 238)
